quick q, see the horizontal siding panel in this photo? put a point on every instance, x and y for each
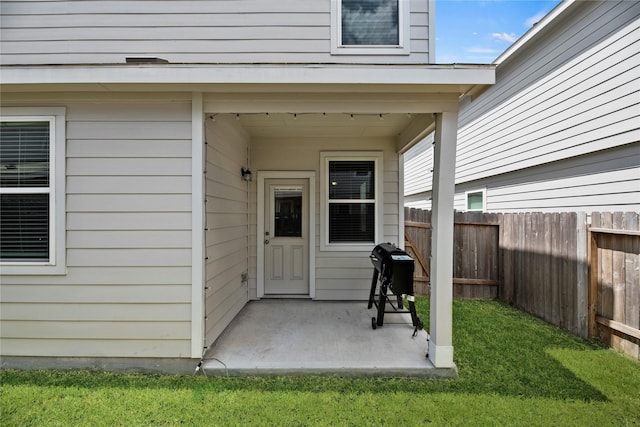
(100, 148)
(146, 7)
(222, 279)
(361, 262)
(562, 190)
(152, 47)
(208, 33)
(232, 246)
(96, 330)
(607, 180)
(129, 107)
(96, 348)
(345, 274)
(157, 276)
(128, 257)
(142, 130)
(570, 202)
(544, 130)
(626, 181)
(131, 239)
(97, 312)
(158, 20)
(128, 184)
(222, 235)
(228, 261)
(126, 294)
(146, 166)
(577, 141)
(615, 92)
(129, 221)
(129, 203)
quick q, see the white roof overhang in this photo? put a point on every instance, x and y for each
(246, 78)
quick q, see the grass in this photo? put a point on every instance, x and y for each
(513, 370)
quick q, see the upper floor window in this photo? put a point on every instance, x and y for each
(31, 207)
(370, 27)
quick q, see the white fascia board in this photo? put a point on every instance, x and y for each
(533, 31)
(195, 75)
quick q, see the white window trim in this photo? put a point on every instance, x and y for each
(484, 200)
(325, 158)
(404, 33)
(57, 224)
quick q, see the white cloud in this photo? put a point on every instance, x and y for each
(505, 37)
(530, 22)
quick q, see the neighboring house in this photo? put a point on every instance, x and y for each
(131, 226)
(560, 129)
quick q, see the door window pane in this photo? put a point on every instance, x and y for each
(288, 212)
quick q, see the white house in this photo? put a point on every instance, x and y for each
(131, 227)
(560, 129)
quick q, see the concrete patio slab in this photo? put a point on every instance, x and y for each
(304, 337)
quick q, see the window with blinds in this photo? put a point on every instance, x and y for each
(25, 190)
(351, 201)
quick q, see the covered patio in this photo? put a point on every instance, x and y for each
(304, 337)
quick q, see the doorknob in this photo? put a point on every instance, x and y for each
(266, 242)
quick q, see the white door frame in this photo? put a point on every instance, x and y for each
(311, 176)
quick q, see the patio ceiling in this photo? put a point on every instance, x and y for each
(283, 125)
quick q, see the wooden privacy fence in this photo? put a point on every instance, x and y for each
(539, 262)
(614, 280)
(476, 256)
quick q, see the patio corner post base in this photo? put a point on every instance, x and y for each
(441, 356)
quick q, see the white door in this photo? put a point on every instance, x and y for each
(286, 237)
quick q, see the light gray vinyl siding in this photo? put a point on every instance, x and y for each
(343, 275)
(127, 290)
(186, 31)
(226, 236)
(607, 180)
(418, 167)
(573, 90)
(560, 129)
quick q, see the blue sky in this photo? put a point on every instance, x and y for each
(478, 31)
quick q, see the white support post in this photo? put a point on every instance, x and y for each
(197, 226)
(441, 310)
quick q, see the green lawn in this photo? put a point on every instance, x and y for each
(513, 370)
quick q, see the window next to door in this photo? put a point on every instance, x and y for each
(32, 223)
(351, 186)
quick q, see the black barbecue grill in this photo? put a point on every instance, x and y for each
(393, 269)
